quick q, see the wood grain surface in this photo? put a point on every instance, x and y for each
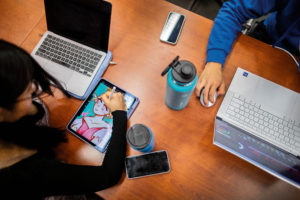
(199, 170)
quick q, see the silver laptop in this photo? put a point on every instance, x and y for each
(75, 48)
(259, 121)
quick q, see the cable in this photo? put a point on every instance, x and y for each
(289, 54)
(191, 5)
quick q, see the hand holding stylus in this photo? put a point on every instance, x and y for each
(114, 101)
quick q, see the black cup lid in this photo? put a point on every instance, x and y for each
(185, 72)
(138, 136)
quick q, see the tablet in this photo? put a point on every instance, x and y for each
(93, 122)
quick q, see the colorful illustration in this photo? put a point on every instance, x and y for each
(95, 121)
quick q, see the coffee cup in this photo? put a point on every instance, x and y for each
(140, 138)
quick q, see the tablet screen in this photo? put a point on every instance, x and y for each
(93, 122)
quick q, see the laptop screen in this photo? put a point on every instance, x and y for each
(84, 21)
(258, 152)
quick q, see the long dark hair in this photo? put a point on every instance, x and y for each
(17, 70)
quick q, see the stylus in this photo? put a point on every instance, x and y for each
(112, 92)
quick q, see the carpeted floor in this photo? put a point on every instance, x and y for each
(206, 8)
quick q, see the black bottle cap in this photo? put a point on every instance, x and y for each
(138, 136)
(184, 72)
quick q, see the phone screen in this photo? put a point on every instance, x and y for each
(147, 164)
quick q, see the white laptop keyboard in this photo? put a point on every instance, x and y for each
(274, 129)
(69, 55)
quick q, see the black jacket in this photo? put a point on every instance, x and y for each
(41, 175)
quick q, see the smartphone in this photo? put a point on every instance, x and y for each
(147, 164)
(172, 28)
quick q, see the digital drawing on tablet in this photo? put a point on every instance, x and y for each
(93, 121)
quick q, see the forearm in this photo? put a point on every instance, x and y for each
(115, 155)
(228, 25)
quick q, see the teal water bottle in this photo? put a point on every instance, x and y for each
(181, 81)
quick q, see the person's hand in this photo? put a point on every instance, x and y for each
(210, 80)
(115, 103)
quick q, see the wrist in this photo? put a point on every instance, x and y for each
(214, 66)
(118, 111)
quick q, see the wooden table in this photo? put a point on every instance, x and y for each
(199, 170)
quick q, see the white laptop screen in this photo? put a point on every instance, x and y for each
(258, 152)
(84, 21)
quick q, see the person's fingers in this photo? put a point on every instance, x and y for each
(107, 94)
(221, 89)
(105, 97)
(119, 94)
(115, 103)
(205, 94)
(199, 87)
(120, 98)
(116, 97)
(212, 91)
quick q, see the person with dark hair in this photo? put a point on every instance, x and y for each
(281, 29)
(28, 168)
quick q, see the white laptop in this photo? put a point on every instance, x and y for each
(259, 121)
(75, 48)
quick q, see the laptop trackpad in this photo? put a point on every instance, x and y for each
(59, 72)
(276, 98)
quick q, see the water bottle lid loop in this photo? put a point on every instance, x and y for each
(182, 71)
(173, 64)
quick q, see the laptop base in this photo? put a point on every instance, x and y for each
(96, 78)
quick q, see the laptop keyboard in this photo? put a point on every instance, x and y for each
(69, 55)
(274, 129)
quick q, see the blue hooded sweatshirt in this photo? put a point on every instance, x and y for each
(283, 25)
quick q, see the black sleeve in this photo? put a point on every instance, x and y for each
(43, 176)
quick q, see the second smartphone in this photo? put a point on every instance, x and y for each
(147, 164)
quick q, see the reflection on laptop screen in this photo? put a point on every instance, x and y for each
(69, 18)
(258, 152)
